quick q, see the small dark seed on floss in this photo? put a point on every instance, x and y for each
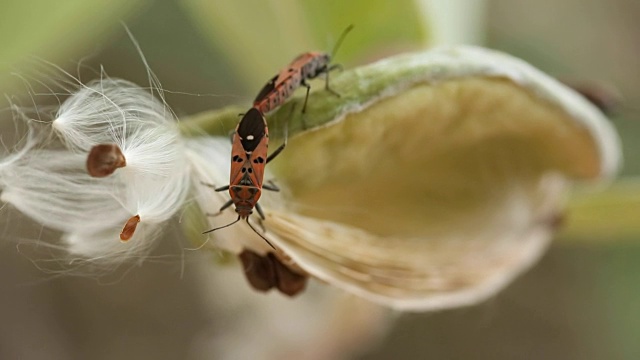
(104, 159)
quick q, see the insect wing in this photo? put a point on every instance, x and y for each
(258, 160)
(266, 90)
(251, 129)
(238, 158)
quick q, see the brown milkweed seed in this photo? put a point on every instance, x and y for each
(104, 159)
(129, 228)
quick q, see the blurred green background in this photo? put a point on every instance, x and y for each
(582, 301)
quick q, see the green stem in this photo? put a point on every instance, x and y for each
(612, 214)
(215, 122)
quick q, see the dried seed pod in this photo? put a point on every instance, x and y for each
(267, 272)
(129, 228)
(288, 282)
(104, 159)
(258, 270)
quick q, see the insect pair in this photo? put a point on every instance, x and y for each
(249, 156)
(251, 136)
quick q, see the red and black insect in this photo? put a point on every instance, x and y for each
(304, 67)
(248, 159)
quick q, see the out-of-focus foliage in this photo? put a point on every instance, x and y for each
(54, 30)
(263, 36)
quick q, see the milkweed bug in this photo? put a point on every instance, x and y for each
(304, 67)
(248, 159)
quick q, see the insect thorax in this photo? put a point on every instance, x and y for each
(246, 180)
(316, 66)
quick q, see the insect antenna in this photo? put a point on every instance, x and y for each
(222, 227)
(256, 231)
(340, 39)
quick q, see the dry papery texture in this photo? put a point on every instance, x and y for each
(432, 181)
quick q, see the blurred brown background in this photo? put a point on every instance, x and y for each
(580, 302)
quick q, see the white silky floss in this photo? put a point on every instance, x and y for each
(54, 188)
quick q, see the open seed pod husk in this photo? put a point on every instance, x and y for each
(431, 182)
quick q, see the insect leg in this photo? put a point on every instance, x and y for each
(326, 83)
(304, 107)
(261, 219)
(281, 147)
(222, 188)
(226, 187)
(260, 212)
(270, 186)
(226, 205)
(334, 67)
(277, 152)
(207, 184)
